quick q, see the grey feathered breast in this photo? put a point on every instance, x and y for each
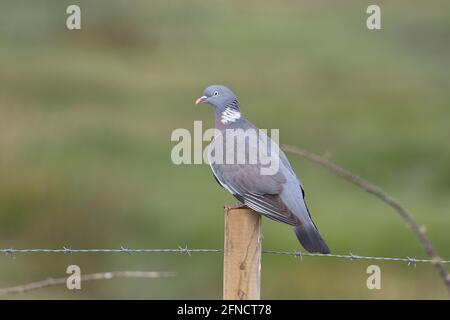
(262, 193)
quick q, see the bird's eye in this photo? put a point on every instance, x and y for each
(216, 93)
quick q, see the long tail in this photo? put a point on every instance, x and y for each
(310, 238)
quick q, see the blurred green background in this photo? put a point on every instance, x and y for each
(86, 118)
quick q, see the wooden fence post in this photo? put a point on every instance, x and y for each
(242, 255)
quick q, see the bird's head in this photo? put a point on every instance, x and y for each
(220, 97)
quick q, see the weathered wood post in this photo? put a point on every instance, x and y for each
(242, 255)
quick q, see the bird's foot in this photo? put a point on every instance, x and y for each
(235, 206)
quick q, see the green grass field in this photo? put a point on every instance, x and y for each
(86, 118)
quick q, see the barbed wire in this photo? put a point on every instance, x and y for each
(188, 251)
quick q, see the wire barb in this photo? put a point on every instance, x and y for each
(185, 250)
(126, 250)
(298, 254)
(67, 250)
(412, 261)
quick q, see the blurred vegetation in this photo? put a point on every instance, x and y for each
(86, 118)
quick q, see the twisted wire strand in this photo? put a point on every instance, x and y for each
(189, 251)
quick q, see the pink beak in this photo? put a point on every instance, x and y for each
(201, 99)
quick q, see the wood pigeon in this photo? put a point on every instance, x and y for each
(279, 195)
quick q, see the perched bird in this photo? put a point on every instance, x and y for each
(278, 196)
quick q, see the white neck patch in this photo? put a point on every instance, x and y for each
(230, 115)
